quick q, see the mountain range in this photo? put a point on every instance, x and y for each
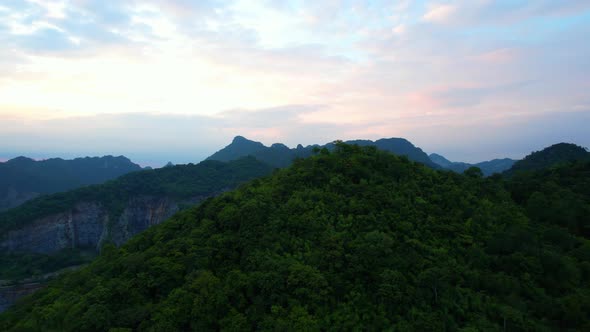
(118, 209)
(279, 155)
(351, 238)
(51, 231)
(487, 167)
(22, 178)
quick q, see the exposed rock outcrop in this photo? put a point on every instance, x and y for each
(88, 225)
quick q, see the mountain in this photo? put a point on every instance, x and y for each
(400, 147)
(239, 147)
(23, 178)
(349, 239)
(495, 165)
(458, 167)
(551, 156)
(487, 167)
(279, 155)
(55, 232)
(116, 210)
(558, 195)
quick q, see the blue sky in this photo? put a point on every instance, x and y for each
(175, 80)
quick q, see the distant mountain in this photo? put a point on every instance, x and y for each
(23, 178)
(487, 167)
(495, 165)
(239, 147)
(554, 155)
(114, 211)
(279, 155)
(55, 231)
(400, 147)
(355, 239)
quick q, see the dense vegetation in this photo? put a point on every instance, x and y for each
(558, 196)
(556, 154)
(19, 266)
(180, 182)
(23, 178)
(279, 155)
(354, 239)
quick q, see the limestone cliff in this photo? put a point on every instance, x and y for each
(88, 225)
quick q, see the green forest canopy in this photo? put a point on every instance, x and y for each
(179, 182)
(350, 239)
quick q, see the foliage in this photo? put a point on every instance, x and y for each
(16, 266)
(180, 182)
(558, 196)
(25, 177)
(354, 239)
(554, 155)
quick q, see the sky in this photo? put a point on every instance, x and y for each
(176, 80)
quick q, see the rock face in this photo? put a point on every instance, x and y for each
(88, 225)
(10, 294)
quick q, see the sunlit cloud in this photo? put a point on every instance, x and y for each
(442, 13)
(295, 71)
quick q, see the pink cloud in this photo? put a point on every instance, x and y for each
(499, 56)
(440, 13)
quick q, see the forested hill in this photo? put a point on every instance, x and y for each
(174, 184)
(556, 154)
(22, 178)
(279, 155)
(353, 239)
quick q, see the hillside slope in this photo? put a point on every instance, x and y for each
(354, 239)
(118, 209)
(22, 179)
(561, 153)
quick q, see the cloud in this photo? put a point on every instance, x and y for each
(442, 13)
(147, 136)
(157, 138)
(495, 13)
(345, 69)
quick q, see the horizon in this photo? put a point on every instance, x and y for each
(153, 164)
(160, 81)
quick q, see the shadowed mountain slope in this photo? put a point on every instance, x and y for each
(487, 167)
(556, 154)
(22, 178)
(279, 155)
(353, 239)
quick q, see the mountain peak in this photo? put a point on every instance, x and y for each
(240, 139)
(279, 155)
(20, 160)
(239, 147)
(279, 146)
(550, 156)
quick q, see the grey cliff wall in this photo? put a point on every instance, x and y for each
(88, 225)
